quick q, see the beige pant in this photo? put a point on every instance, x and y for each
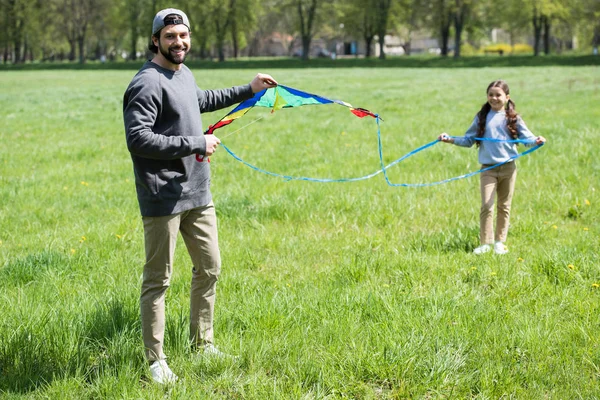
(198, 228)
(500, 180)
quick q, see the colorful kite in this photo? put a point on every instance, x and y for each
(277, 98)
(281, 97)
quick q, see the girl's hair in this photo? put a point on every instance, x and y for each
(511, 114)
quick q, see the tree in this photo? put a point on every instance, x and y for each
(307, 11)
(75, 16)
(360, 16)
(510, 16)
(243, 21)
(543, 13)
(382, 12)
(460, 15)
(411, 19)
(135, 23)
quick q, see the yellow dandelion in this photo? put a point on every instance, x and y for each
(118, 236)
(587, 202)
(84, 183)
(65, 188)
(520, 259)
(83, 239)
(288, 285)
(473, 268)
(571, 266)
(493, 273)
(586, 229)
(72, 251)
(554, 227)
(595, 285)
(343, 133)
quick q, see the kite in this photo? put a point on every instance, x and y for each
(277, 98)
(281, 97)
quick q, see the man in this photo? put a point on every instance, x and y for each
(161, 110)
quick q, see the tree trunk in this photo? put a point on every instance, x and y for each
(25, 50)
(81, 45)
(458, 27)
(368, 43)
(17, 49)
(72, 50)
(381, 42)
(306, 25)
(537, 32)
(306, 47)
(408, 44)
(546, 24)
(133, 44)
(234, 28)
(234, 38)
(460, 15)
(445, 33)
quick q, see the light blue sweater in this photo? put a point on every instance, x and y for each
(495, 128)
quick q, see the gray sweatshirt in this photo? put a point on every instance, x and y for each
(163, 128)
(495, 128)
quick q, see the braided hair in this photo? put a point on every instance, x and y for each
(511, 114)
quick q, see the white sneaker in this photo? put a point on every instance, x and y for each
(161, 373)
(210, 350)
(484, 248)
(500, 248)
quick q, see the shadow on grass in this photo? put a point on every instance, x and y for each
(52, 347)
(454, 241)
(285, 62)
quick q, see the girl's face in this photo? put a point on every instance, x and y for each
(497, 98)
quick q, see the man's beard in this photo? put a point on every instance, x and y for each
(173, 58)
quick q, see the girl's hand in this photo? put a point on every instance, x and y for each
(444, 137)
(540, 140)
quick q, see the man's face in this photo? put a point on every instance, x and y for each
(174, 43)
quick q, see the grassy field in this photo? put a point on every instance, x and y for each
(338, 290)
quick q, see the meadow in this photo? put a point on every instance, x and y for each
(328, 290)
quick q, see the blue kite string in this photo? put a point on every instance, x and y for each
(385, 167)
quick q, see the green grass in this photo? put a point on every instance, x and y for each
(339, 290)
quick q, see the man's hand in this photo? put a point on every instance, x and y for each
(212, 142)
(261, 82)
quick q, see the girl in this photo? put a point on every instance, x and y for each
(497, 120)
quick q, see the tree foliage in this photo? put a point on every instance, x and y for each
(77, 30)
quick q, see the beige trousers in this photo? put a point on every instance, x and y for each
(501, 181)
(198, 228)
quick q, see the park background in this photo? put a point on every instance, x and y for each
(116, 30)
(340, 290)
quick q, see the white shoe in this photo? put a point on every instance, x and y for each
(500, 248)
(484, 248)
(210, 350)
(161, 373)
